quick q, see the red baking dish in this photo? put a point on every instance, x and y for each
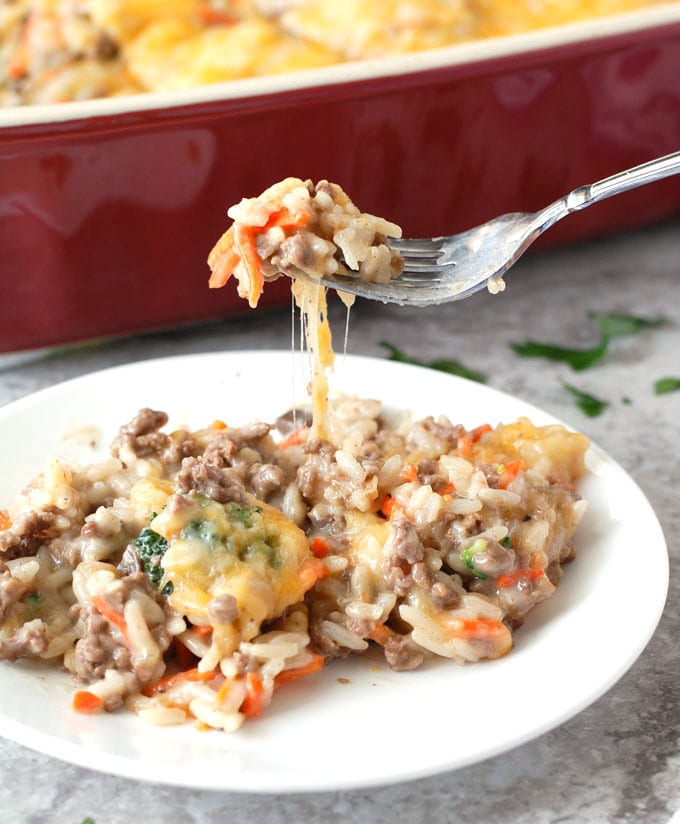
(109, 207)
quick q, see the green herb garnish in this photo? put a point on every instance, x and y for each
(468, 559)
(588, 404)
(611, 326)
(664, 385)
(151, 547)
(507, 542)
(618, 326)
(452, 367)
(578, 359)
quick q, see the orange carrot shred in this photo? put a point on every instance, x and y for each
(218, 425)
(5, 521)
(524, 573)
(409, 473)
(320, 547)
(169, 681)
(292, 674)
(311, 571)
(287, 220)
(202, 630)
(253, 703)
(471, 628)
(112, 615)
(86, 702)
(244, 237)
(477, 433)
(214, 17)
(380, 634)
(510, 472)
(449, 489)
(464, 445)
(295, 438)
(223, 259)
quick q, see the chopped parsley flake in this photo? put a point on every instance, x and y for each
(611, 326)
(664, 385)
(468, 559)
(588, 404)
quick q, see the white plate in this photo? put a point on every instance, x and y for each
(320, 733)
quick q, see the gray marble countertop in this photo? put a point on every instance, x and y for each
(617, 761)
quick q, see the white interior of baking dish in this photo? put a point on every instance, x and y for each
(465, 53)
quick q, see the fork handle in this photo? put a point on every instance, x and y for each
(624, 181)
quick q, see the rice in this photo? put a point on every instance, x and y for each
(195, 572)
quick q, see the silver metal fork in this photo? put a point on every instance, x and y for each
(443, 269)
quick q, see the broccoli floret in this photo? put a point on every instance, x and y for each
(151, 547)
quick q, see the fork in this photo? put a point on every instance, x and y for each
(444, 269)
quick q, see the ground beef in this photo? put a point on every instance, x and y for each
(221, 484)
(266, 479)
(28, 534)
(223, 609)
(402, 654)
(141, 435)
(398, 581)
(98, 650)
(403, 544)
(29, 641)
(182, 445)
(311, 478)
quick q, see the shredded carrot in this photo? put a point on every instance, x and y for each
(477, 433)
(203, 630)
(471, 628)
(449, 489)
(253, 703)
(295, 438)
(169, 681)
(112, 615)
(223, 259)
(409, 473)
(381, 634)
(214, 17)
(464, 445)
(244, 237)
(5, 521)
(510, 472)
(218, 425)
(294, 673)
(287, 220)
(320, 547)
(311, 571)
(523, 573)
(86, 702)
(201, 726)
(390, 508)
